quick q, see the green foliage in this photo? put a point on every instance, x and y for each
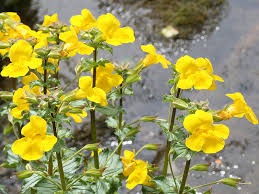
(181, 151)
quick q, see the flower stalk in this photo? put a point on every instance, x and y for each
(120, 117)
(168, 144)
(185, 175)
(92, 114)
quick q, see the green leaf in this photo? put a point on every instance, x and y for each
(11, 159)
(181, 151)
(102, 187)
(177, 102)
(177, 134)
(8, 129)
(36, 83)
(111, 122)
(59, 145)
(128, 131)
(2, 189)
(31, 182)
(164, 184)
(44, 186)
(208, 191)
(109, 110)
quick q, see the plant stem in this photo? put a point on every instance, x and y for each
(120, 117)
(92, 114)
(185, 175)
(139, 151)
(172, 172)
(208, 184)
(113, 91)
(45, 76)
(168, 143)
(47, 179)
(50, 165)
(114, 151)
(60, 165)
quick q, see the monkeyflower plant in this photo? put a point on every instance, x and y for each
(39, 107)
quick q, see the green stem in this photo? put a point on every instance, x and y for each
(120, 117)
(119, 88)
(139, 151)
(185, 175)
(69, 187)
(45, 76)
(92, 114)
(208, 184)
(133, 122)
(172, 172)
(114, 152)
(74, 155)
(50, 165)
(75, 78)
(168, 143)
(48, 179)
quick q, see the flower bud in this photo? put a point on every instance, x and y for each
(151, 146)
(230, 181)
(4, 45)
(200, 167)
(95, 172)
(70, 96)
(6, 95)
(43, 52)
(92, 147)
(24, 174)
(133, 78)
(148, 118)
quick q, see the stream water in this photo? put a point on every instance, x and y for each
(233, 48)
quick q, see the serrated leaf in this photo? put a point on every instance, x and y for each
(60, 144)
(177, 102)
(44, 186)
(176, 135)
(31, 182)
(121, 133)
(109, 110)
(181, 151)
(11, 158)
(111, 122)
(164, 184)
(2, 189)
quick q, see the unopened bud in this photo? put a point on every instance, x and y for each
(92, 147)
(95, 172)
(42, 51)
(151, 146)
(148, 118)
(230, 181)
(4, 45)
(24, 174)
(200, 167)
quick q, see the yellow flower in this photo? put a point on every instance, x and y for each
(48, 20)
(21, 56)
(139, 175)
(35, 140)
(111, 31)
(204, 135)
(87, 91)
(54, 62)
(86, 21)
(196, 73)
(14, 16)
(105, 79)
(73, 45)
(99, 151)
(20, 95)
(239, 108)
(153, 57)
(24, 30)
(77, 117)
(128, 162)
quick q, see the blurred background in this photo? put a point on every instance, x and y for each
(225, 31)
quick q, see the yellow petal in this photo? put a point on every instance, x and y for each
(36, 126)
(150, 59)
(205, 64)
(221, 131)
(85, 82)
(218, 78)
(76, 117)
(122, 35)
(213, 144)
(148, 49)
(14, 70)
(20, 52)
(236, 96)
(14, 16)
(98, 96)
(186, 65)
(34, 62)
(107, 24)
(83, 49)
(163, 61)
(251, 116)
(80, 94)
(48, 141)
(185, 83)
(201, 80)
(29, 78)
(17, 111)
(195, 142)
(48, 20)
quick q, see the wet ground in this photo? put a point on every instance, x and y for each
(233, 48)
